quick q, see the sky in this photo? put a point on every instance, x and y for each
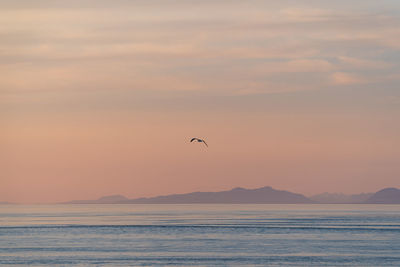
(102, 97)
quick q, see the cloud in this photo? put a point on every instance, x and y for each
(209, 47)
(362, 64)
(343, 78)
(304, 14)
(309, 65)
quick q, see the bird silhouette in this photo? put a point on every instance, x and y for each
(198, 140)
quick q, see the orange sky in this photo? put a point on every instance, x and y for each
(100, 98)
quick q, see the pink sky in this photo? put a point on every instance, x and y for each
(100, 98)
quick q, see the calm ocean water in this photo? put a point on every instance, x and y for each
(200, 235)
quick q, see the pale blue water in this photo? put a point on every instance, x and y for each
(200, 235)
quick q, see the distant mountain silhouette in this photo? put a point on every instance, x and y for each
(5, 203)
(237, 195)
(385, 196)
(339, 198)
(263, 195)
(113, 199)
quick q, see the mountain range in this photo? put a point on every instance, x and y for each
(385, 196)
(263, 195)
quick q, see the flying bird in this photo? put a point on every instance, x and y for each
(198, 140)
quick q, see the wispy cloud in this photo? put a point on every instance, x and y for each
(342, 78)
(226, 46)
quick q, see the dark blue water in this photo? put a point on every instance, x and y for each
(200, 235)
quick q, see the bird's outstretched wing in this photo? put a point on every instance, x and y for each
(204, 142)
(193, 139)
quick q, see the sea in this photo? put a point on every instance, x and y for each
(200, 235)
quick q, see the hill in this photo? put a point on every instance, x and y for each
(385, 196)
(237, 195)
(113, 199)
(264, 195)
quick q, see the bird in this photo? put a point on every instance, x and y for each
(198, 140)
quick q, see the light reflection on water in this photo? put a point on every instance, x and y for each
(274, 235)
